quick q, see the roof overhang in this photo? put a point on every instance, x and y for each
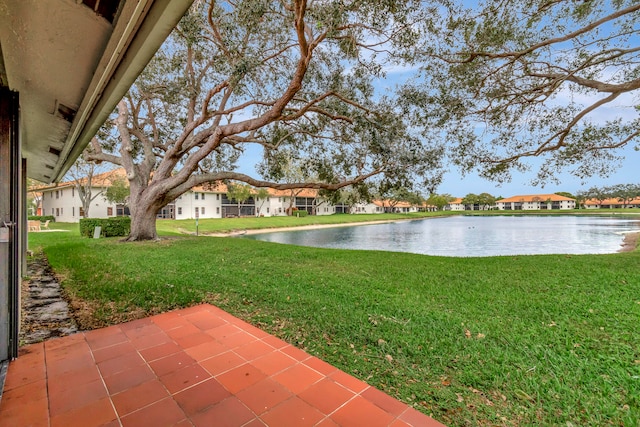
(71, 63)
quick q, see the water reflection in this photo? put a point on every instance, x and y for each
(465, 236)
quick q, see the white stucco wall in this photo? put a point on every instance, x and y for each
(65, 204)
(211, 203)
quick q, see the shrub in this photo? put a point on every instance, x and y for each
(111, 227)
(300, 213)
(42, 218)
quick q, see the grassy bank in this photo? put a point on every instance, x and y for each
(523, 340)
(224, 225)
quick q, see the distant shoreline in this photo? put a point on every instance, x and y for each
(302, 227)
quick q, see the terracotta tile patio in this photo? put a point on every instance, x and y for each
(194, 367)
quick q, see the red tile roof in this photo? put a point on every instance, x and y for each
(611, 201)
(99, 180)
(536, 198)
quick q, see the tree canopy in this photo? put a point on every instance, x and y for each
(288, 76)
(510, 80)
(497, 83)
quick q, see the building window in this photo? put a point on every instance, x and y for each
(196, 196)
(81, 211)
(202, 198)
(73, 211)
(109, 211)
(73, 191)
(57, 194)
(57, 212)
(202, 210)
(179, 210)
(267, 210)
(217, 197)
(197, 212)
(217, 210)
(279, 210)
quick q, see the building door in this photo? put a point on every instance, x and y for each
(10, 223)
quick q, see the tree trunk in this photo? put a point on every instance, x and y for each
(143, 224)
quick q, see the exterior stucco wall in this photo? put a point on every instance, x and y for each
(211, 203)
(65, 205)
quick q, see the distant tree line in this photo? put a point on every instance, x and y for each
(623, 193)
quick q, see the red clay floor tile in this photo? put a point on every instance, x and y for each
(416, 418)
(349, 382)
(327, 422)
(60, 384)
(115, 350)
(25, 406)
(359, 411)
(98, 339)
(274, 362)
(193, 340)
(204, 320)
(67, 366)
(320, 365)
(230, 412)
(327, 396)
(224, 332)
(138, 397)
(201, 396)
(166, 349)
(168, 321)
(206, 350)
(184, 378)
(240, 378)
(145, 329)
(121, 363)
(82, 395)
(400, 423)
(222, 363)
(255, 423)
(95, 413)
(274, 342)
(29, 367)
(298, 378)
(171, 363)
(236, 340)
(129, 378)
(295, 352)
(293, 412)
(264, 395)
(254, 350)
(165, 412)
(183, 331)
(384, 401)
(147, 341)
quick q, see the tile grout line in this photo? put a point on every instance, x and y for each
(46, 381)
(104, 384)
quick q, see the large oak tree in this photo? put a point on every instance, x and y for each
(287, 75)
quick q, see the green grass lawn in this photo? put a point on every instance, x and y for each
(517, 340)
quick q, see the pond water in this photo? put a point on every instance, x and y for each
(466, 236)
